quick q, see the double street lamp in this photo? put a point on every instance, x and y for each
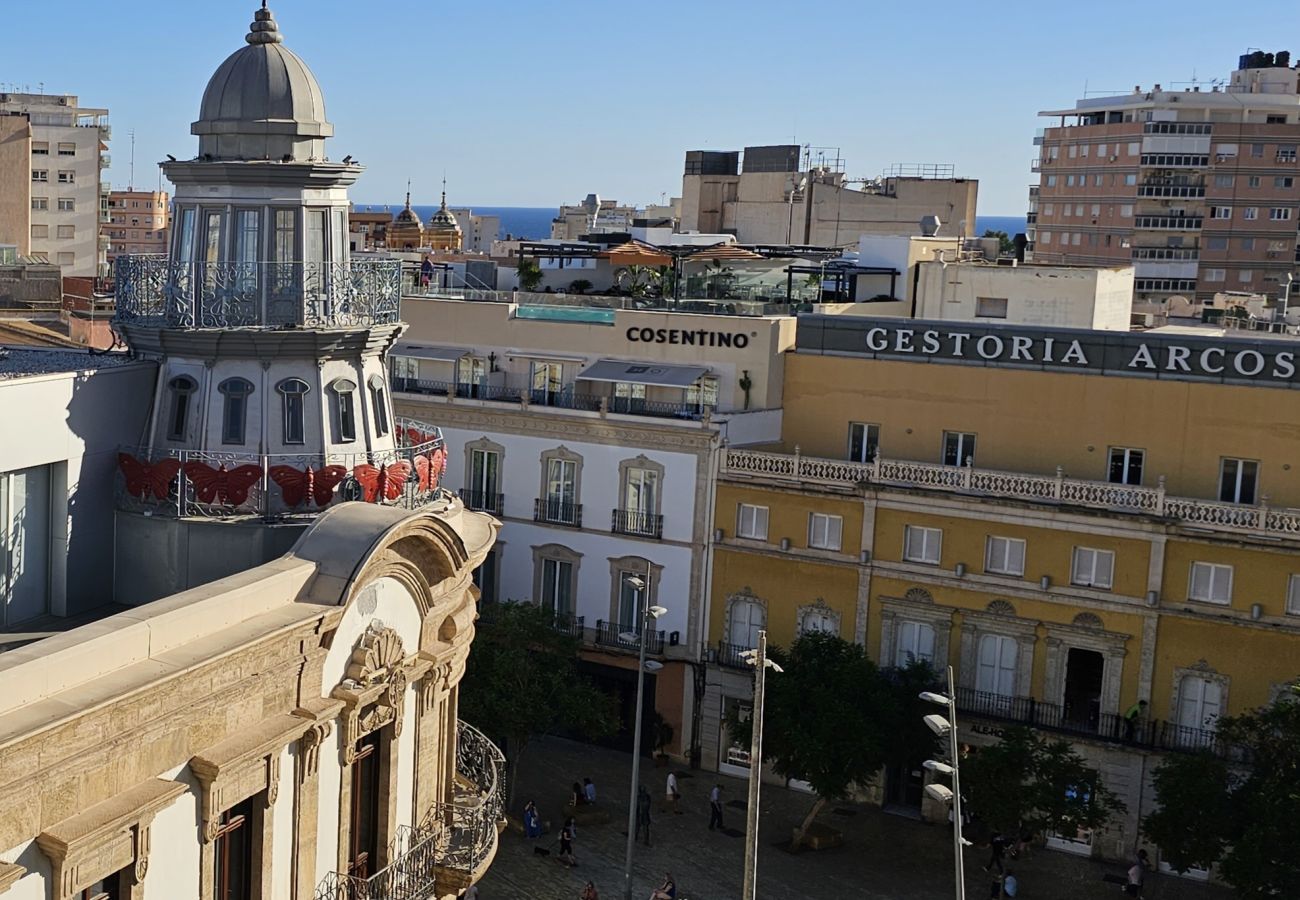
(758, 659)
(947, 727)
(646, 616)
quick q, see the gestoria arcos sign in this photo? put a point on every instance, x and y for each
(1143, 355)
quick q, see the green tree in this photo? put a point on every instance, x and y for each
(522, 680)
(530, 274)
(637, 280)
(908, 740)
(1239, 814)
(1005, 244)
(822, 718)
(1026, 781)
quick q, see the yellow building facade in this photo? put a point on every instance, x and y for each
(1071, 535)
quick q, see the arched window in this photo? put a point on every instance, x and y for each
(293, 392)
(745, 618)
(379, 403)
(915, 643)
(345, 409)
(182, 386)
(997, 665)
(234, 416)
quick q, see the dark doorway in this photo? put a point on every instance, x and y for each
(621, 685)
(904, 786)
(1083, 677)
(363, 841)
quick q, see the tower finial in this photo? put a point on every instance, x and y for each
(444, 190)
(264, 30)
(408, 193)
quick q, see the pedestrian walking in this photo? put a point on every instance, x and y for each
(589, 892)
(532, 821)
(568, 834)
(642, 815)
(715, 807)
(1137, 874)
(589, 790)
(671, 794)
(577, 796)
(997, 851)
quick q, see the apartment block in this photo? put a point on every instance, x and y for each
(1198, 188)
(67, 159)
(15, 176)
(137, 222)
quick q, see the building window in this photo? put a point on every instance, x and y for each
(40, 148)
(1126, 210)
(234, 415)
(65, 258)
(1051, 181)
(40, 231)
(67, 176)
(639, 514)
(746, 617)
(1250, 213)
(817, 618)
(557, 586)
(182, 387)
(1092, 568)
(996, 673)
(1130, 180)
(702, 394)
(1225, 181)
(483, 479)
(364, 832)
(991, 307)
(1286, 152)
(233, 853)
(379, 403)
(751, 522)
(561, 479)
(824, 531)
(913, 643)
(1200, 702)
(40, 203)
(958, 448)
(548, 383)
(1237, 480)
(67, 204)
(1280, 213)
(67, 231)
(1252, 181)
(1215, 274)
(41, 175)
(67, 149)
(1125, 465)
(923, 545)
(471, 376)
(1283, 181)
(345, 410)
(864, 441)
(1004, 556)
(1293, 596)
(293, 392)
(1210, 583)
(1220, 212)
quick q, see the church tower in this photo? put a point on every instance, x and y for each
(272, 400)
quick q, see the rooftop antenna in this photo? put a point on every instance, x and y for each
(130, 182)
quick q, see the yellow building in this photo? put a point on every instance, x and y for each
(1073, 520)
(406, 232)
(443, 231)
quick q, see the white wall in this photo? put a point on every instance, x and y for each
(174, 842)
(282, 821)
(35, 884)
(394, 607)
(329, 779)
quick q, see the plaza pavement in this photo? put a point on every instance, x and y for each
(884, 857)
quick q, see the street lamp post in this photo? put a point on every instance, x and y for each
(758, 659)
(948, 728)
(646, 614)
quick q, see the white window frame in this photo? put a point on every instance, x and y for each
(1218, 574)
(825, 531)
(1086, 571)
(966, 444)
(869, 441)
(999, 555)
(749, 518)
(1293, 596)
(905, 654)
(931, 544)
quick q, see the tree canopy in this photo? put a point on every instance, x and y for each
(1026, 781)
(1005, 244)
(1240, 814)
(522, 680)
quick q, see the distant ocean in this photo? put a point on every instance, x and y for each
(534, 223)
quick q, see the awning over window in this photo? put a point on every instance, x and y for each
(425, 351)
(658, 374)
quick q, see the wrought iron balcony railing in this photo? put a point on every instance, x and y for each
(557, 512)
(729, 655)
(454, 843)
(485, 501)
(634, 521)
(1057, 489)
(156, 290)
(567, 623)
(611, 634)
(180, 483)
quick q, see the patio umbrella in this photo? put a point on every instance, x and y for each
(635, 253)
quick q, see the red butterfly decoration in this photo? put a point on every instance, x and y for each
(421, 464)
(391, 477)
(143, 477)
(230, 487)
(438, 465)
(415, 436)
(296, 485)
(429, 469)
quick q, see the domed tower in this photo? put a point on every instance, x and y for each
(443, 231)
(272, 400)
(406, 231)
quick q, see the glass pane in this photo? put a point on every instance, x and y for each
(185, 239)
(315, 235)
(286, 240)
(212, 238)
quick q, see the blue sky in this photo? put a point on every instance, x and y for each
(537, 104)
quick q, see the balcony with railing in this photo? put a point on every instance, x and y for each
(554, 511)
(638, 523)
(1187, 191)
(154, 290)
(273, 486)
(483, 501)
(730, 656)
(1167, 223)
(568, 623)
(1058, 489)
(611, 634)
(563, 398)
(452, 846)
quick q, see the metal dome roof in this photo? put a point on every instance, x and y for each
(262, 102)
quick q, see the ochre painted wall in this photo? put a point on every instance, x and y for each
(784, 584)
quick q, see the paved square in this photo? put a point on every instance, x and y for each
(884, 857)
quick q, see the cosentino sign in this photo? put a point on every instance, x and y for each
(1135, 354)
(690, 337)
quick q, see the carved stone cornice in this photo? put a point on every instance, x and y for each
(105, 838)
(320, 714)
(241, 766)
(373, 689)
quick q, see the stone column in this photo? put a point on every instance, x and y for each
(306, 808)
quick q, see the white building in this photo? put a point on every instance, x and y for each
(478, 232)
(591, 433)
(67, 197)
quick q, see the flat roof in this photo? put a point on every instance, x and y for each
(21, 362)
